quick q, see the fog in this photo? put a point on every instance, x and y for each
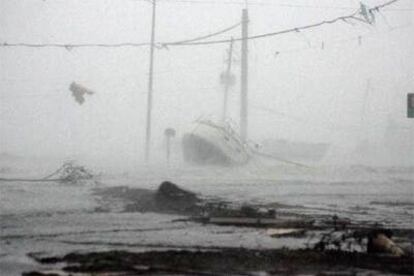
(344, 84)
(324, 174)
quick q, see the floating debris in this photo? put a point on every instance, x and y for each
(67, 173)
(285, 232)
(70, 173)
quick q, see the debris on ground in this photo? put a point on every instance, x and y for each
(379, 241)
(334, 242)
(36, 273)
(169, 198)
(285, 232)
(230, 261)
(373, 241)
(69, 172)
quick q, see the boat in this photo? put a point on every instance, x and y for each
(211, 143)
(217, 143)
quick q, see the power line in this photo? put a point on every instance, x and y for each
(198, 40)
(263, 3)
(324, 44)
(269, 3)
(260, 4)
(201, 37)
(69, 46)
(298, 29)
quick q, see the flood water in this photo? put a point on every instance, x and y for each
(53, 218)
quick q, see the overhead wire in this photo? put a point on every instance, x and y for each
(325, 43)
(202, 37)
(269, 3)
(199, 40)
(298, 29)
(69, 46)
(253, 3)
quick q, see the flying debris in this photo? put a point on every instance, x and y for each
(79, 91)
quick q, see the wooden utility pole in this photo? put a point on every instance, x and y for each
(150, 85)
(244, 76)
(228, 80)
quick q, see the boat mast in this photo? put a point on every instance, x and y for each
(244, 76)
(227, 78)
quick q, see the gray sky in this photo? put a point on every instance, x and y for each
(304, 93)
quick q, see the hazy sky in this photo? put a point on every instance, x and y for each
(303, 93)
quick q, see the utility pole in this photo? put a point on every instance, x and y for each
(150, 85)
(244, 77)
(227, 80)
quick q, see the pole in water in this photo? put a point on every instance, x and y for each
(169, 133)
(244, 77)
(150, 85)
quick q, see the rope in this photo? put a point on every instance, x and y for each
(281, 160)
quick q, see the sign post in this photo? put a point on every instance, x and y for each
(169, 133)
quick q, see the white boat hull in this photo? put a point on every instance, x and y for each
(211, 144)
